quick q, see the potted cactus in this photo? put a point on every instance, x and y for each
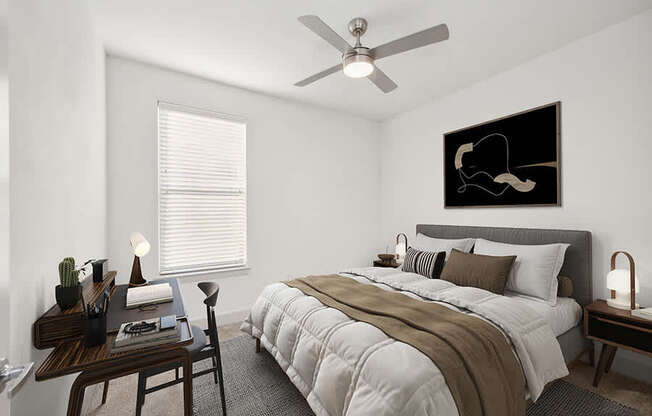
(69, 291)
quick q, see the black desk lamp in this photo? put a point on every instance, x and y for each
(141, 247)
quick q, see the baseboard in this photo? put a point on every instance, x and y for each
(224, 318)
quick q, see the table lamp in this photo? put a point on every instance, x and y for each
(141, 247)
(401, 248)
(623, 284)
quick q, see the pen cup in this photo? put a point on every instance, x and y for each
(95, 330)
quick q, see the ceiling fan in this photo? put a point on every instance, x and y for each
(359, 61)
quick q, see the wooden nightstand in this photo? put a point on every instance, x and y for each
(615, 328)
(379, 263)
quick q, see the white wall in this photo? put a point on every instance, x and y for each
(604, 82)
(313, 191)
(4, 195)
(58, 169)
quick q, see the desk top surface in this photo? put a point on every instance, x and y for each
(73, 356)
(118, 314)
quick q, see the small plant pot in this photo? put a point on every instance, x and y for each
(67, 297)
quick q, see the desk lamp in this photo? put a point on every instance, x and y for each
(141, 247)
(623, 284)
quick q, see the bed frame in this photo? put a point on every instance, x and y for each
(577, 266)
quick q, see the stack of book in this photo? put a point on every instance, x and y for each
(127, 341)
(147, 295)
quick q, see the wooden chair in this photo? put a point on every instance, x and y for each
(201, 349)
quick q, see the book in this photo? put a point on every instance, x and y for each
(126, 341)
(147, 295)
(643, 313)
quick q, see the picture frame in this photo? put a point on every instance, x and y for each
(511, 161)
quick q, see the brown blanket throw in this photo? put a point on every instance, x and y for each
(478, 364)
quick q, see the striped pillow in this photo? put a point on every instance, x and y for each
(409, 261)
(425, 263)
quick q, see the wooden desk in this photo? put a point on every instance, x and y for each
(97, 364)
(615, 328)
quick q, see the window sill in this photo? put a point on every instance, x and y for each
(220, 271)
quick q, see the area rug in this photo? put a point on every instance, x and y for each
(255, 385)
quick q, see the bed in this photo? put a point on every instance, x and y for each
(347, 367)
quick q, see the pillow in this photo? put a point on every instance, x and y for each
(564, 287)
(477, 270)
(424, 242)
(409, 260)
(535, 270)
(425, 263)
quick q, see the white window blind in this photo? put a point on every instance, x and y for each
(202, 190)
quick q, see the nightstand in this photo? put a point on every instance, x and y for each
(615, 328)
(379, 263)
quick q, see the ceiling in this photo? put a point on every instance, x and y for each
(260, 45)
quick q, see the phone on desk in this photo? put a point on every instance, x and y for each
(168, 322)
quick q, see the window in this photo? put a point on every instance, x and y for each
(202, 190)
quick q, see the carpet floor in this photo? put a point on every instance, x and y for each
(255, 385)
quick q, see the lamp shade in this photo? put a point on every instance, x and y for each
(139, 244)
(400, 250)
(618, 280)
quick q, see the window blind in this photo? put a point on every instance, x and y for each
(202, 190)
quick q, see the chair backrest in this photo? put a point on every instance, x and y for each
(211, 290)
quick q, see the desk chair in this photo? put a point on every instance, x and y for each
(200, 349)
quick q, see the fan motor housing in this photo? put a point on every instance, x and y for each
(357, 54)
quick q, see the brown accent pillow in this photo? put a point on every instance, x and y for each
(565, 287)
(478, 270)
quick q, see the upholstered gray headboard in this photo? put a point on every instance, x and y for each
(577, 264)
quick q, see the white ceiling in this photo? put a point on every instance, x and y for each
(260, 45)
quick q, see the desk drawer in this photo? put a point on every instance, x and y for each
(620, 332)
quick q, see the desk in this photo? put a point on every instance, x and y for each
(97, 364)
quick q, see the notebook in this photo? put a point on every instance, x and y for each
(147, 295)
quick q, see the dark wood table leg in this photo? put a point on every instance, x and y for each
(605, 354)
(76, 397)
(187, 385)
(592, 355)
(94, 376)
(610, 361)
(105, 391)
(257, 345)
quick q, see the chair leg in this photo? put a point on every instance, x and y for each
(219, 370)
(105, 391)
(214, 360)
(176, 373)
(140, 395)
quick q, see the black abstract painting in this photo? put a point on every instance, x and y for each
(510, 161)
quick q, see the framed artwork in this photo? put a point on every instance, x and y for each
(510, 161)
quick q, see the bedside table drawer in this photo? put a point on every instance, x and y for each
(620, 332)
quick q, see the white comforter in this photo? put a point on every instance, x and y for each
(346, 367)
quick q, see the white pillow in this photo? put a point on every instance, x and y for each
(535, 270)
(426, 243)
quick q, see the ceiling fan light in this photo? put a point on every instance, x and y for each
(358, 66)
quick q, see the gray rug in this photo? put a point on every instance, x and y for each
(563, 398)
(256, 385)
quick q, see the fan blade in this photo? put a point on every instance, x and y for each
(382, 81)
(416, 40)
(319, 75)
(324, 31)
